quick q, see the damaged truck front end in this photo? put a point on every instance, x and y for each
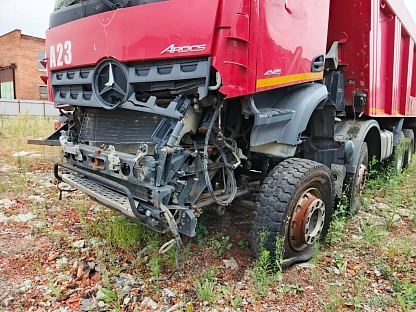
(139, 143)
(144, 136)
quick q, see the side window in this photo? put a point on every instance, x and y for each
(43, 91)
(41, 57)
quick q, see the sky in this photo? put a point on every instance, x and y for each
(32, 16)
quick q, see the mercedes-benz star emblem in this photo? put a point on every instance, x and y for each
(111, 86)
(110, 82)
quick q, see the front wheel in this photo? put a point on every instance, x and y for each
(295, 202)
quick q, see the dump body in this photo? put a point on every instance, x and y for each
(377, 44)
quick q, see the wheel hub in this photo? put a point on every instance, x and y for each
(307, 220)
(399, 165)
(362, 177)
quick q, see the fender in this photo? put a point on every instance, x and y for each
(359, 131)
(281, 115)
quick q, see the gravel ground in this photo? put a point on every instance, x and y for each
(73, 255)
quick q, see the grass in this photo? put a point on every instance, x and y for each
(388, 207)
(268, 268)
(206, 289)
(16, 130)
(383, 228)
(14, 133)
(339, 222)
(386, 203)
(122, 233)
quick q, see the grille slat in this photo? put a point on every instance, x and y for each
(164, 79)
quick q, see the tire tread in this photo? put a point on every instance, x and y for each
(279, 185)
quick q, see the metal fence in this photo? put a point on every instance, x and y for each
(27, 107)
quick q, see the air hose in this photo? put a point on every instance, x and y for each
(230, 172)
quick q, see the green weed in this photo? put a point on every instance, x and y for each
(154, 265)
(201, 232)
(263, 268)
(3, 187)
(407, 296)
(56, 290)
(220, 244)
(339, 221)
(109, 295)
(268, 268)
(293, 288)
(335, 300)
(243, 244)
(371, 232)
(120, 232)
(237, 301)
(206, 289)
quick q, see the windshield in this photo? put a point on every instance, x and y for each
(84, 8)
(63, 3)
(59, 4)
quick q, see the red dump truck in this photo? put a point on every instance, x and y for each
(176, 105)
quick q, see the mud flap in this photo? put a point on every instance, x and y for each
(280, 115)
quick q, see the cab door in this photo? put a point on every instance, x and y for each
(292, 42)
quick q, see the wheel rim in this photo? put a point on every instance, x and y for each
(399, 165)
(410, 153)
(307, 220)
(362, 177)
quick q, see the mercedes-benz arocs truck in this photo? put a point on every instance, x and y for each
(176, 105)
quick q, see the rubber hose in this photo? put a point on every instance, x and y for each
(227, 166)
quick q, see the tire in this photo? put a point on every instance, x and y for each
(408, 154)
(399, 157)
(354, 185)
(293, 183)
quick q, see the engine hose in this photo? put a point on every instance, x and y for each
(231, 179)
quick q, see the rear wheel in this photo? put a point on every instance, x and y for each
(355, 183)
(295, 202)
(399, 156)
(408, 154)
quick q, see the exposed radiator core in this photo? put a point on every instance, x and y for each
(118, 126)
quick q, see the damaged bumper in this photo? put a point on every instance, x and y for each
(118, 197)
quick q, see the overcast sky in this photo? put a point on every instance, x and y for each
(32, 16)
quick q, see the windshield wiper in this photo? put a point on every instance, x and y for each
(113, 6)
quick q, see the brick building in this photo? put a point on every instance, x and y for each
(20, 69)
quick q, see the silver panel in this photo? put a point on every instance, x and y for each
(102, 194)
